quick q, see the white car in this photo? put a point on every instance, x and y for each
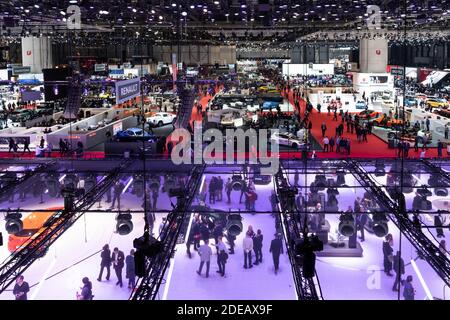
(161, 118)
(286, 139)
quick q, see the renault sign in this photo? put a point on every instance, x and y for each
(127, 90)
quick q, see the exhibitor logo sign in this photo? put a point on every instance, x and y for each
(127, 89)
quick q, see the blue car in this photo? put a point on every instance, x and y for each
(410, 101)
(269, 105)
(361, 105)
(134, 134)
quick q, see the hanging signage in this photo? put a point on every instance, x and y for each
(397, 71)
(127, 90)
(16, 70)
(127, 65)
(99, 67)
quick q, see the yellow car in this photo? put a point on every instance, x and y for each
(437, 103)
(268, 89)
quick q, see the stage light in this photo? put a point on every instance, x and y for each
(237, 182)
(380, 224)
(124, 224)
(138, 186)
(13, 223)
(155, 182)
(234, 224)
(347, 225)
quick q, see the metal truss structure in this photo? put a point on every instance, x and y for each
(147, 287)
(305, 287)
(424, 246)
(21, 260)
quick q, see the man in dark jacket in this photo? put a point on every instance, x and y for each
(130, 270)
(399, 269)
(257, 247)
(276, 248)
(118, 188)
(118, 262)
(21, 288)
(105, 263)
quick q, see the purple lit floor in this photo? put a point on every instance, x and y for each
(75, 254)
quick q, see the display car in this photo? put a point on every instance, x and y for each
(410, 135)
(368, 114)
(443, 112)
(161, 118)
(269, 105)
(134, 134)
(33, 225)
(410, 101)
(385, 121)
(287, 139)
(361, 105)
(268, 89)
(437, 103)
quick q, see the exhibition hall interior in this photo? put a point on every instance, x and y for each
(224, 150)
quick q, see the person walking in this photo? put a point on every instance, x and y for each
(205, 253)
(130, 272)
(86, 290)
(399, 269)
(118, 262)
(387, 254)
(26, 146)
(105, 263)
(222, 255)
(247, 244)
(21, 288)
(408, 291)
(276, 248)
(11, 144)
(257, 246)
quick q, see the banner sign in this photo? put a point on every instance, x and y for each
(99, 67)
(31, 95)
(127, 90)
(16, 70)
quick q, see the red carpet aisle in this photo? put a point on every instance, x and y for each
(374, 148)
(55, 154)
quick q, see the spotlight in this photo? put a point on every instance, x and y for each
(155, 182)
(340, 181)
(124, 224)
(13, 223)
(138, 186)
(237, 182)
(380, 224)
(380, 170)
(347, 225)
(305, 256)
(234, 224)
(52, 185)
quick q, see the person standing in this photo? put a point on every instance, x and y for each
(205, 253)
(427, 123)
(326, 143)
(438, 225)
(222, 255)
(446, 132)
(247, 244)
(118, 188)
(323, 127)
(257, 246)
(219, 188)
(12, 144)
(408, 291)
(130, 271)
(105, 263)
(387, 254)
(361, 220)
(155, 198)
(228, 189)
(276, 248)
(118, 262)
(331, 144)
(440, 146)
(399, 269)
(86, 290)
(21, 288)
(42, 143)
